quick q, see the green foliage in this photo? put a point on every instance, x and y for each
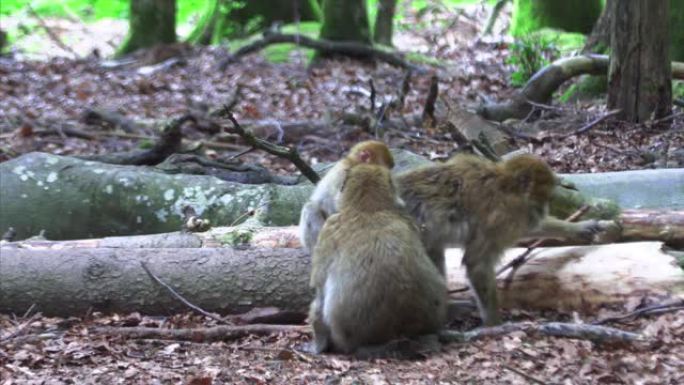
(678, 89)
(529, 54)
(587, 86)
(89, 10)
(568, 15)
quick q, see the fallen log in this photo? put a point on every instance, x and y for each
(634, 225)
(36, 188)
(544, 83)
(72, 281)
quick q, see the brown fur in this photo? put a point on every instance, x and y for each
(373, 280)
(483, 207)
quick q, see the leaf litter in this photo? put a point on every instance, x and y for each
(53, 94)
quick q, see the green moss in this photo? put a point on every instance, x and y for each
(678, 89)
(423, 59)
(586, 87)
(237, 237)
(570, 15)
(565, 202)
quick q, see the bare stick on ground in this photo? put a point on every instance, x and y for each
(290, 154)
(217, 333)
(593, 333)
(180, 297)
(342, 48)
(669, 306)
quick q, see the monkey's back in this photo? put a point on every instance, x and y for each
(384, 288)
(451, 199)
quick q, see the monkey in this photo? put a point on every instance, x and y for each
(321, 204)
(484, 207)
(373, 281)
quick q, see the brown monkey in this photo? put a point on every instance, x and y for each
(322, 202)
(483, 207)
(373, 280)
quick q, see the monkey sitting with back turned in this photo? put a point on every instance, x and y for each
(374, 282)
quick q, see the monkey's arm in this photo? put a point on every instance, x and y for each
(551, 227)
(325, 252)
(310, 223)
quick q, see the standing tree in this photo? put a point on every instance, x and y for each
(383, 22)
(151, 22)
(568, 15)
(346, 20)
(229, 18)
(640, 77)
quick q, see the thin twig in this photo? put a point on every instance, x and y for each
(667, 118)
(372, 94)
(663, 307)
(215, 333)
(51, 33)
(274, 149)
(429, 108)
(590, 125)
(340, 47)
(180, 297)
(524, 375)
(20, 328)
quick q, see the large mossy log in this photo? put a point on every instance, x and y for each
(73, 281)
(71, 198)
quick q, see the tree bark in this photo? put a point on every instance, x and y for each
(384, 22)
(598, 40)
(151, 22)
(640, 78)
(345, 20)
(68, 282)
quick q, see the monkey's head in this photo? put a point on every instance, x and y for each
(368, 188)
(532, 176)
(371, 152)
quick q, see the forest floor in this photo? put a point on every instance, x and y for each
(43, 107)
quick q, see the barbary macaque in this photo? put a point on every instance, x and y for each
(321, 204)
(373, 279)
(484, 207)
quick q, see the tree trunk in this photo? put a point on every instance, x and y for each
(571, 16)
(151, 22)
(384, 22)
(69, 282)
(345, 20)
(598, 40)
(676, 30)
(216, 23)
(640, 78)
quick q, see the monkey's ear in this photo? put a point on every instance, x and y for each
(365, 156)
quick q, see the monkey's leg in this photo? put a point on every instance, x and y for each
(482, 277)
(321, 332)
(436, 254)
(551, 227)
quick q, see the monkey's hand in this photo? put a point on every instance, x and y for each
(589, 231)
(595, 231)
